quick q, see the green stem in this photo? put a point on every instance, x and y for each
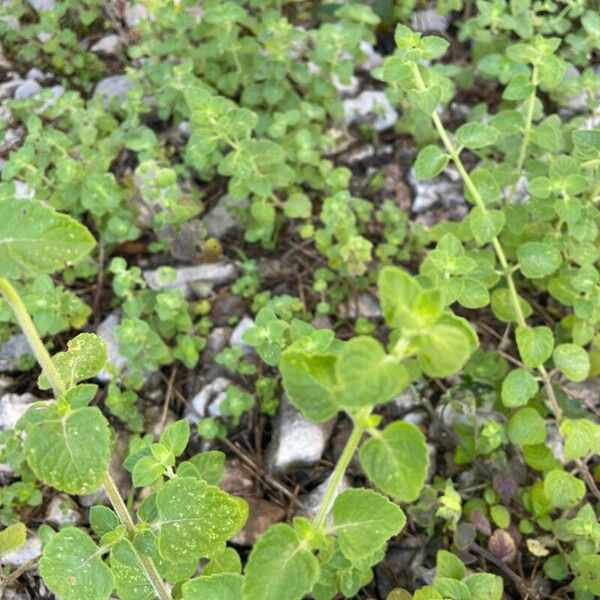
(121, 509)
(33, 337)
(507, 268)
(338, 472)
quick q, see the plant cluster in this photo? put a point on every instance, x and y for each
(252, 87)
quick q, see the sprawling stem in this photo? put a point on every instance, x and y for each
(59, 388)
(340, 468)
(507, 268)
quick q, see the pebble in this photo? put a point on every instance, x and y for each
(12, 351)
(371, 107)
(429, 20)
(208, 273)
(13, 407)
(208, 399)
(114, 89)
(236, 338)
(27, 89)
(219, 220)
(106, 330)
(31, 549)
(61, 511)
(364, 305)
(372, 58)
(42, 5)
(109, 44)
(295, 441)
(445, 189)
(313, 500)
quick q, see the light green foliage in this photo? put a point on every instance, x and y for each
(562, 489)
(396, 460)
(12, 537)
(73, 568)
(34, 239)
(227, 586)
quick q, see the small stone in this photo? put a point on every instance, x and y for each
(35, 74)
(208, 399)
(314, 499)
(27, 89)
(555, 442)
(261, 515)
(445, 189)
(13, 407)
(22, 190)
(135, 13)
(42, 5)
(109, 44)
(236, 479)
(364, 305)
(30, 550)
(208, 273)
(114, 89)
(429, 20)
(295, 441)
(587, 392)
(236, 338)
(106, 330)
(219, 220)
(347, 89)
(12, 352)
(372, 57)
(61, 511)
(372, 107)
(216, 340)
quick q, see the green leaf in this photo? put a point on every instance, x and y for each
(310, 381)
(562, 489)
(502, 306)
(208, 465)
(518, 388)
(86, 355)
(72, 567)
(297, 206)
(225, 561)
(572, 361)
(485, 586)
(397, 289)
(175, 437)
(131, 582)
(486, 224)
(12, 537)
(281, 566)
(476, 135)
(103, 519)
(35, 239)
(368, 376)
(396, 460)
(590, 572)
(450, 588)
(538, 259)
(70, 452)
(196, 519)
(363, 521)
(526, 427)
(147, 471)
(427, 592)
(581, 437)
(224, 586)
(431, 161)
(449, 565)
(535, 344)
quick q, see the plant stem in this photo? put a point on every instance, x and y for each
(507, 268)
(33, 337)
(121, 509)
(338, 473)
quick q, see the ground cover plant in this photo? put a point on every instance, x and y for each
(254, 359)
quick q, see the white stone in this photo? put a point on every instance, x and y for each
(443, 190)
(208, 399)
(373, 107)
(27, 89)
(42, 5)
(106, 330)
(237, 334)
(62, 511)
(219, 220)
(429, 20)
(13, 407)
(12, 351)
(211, 273)
(109, 44)
(372, 57)
(295, 441)
(31, 549)
(314, 499)
(114, 88)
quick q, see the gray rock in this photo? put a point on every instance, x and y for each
(347, 89)
(219, 220)
(216, 340)
(114, 89)
(406, 400)
(42, 5)
(27, 89)
(62, 511)
(372, 57)
(12, 352)
(209, 273)
(109, 44)
(35, 74)
(208, 400)
(587, 392)
(13, 407)
(372, 107)
(295, 441)
(22, 190)
(106, 330)
(31, 549)
(314, 499)
(429, 20)
(236, 338)
(364, 305)
(554, 441)
(445, 189)
(134, 13)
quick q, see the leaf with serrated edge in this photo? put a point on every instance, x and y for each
(70, 452)
(195, 519)
(281, 566)
(86, 355)
(396, 460)
(35, 239)
(363, 521)
(72, 567)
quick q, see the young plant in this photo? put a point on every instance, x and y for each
(67, 445)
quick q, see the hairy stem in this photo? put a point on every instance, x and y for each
(32, 335)
(507, 268)
(338, 472)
